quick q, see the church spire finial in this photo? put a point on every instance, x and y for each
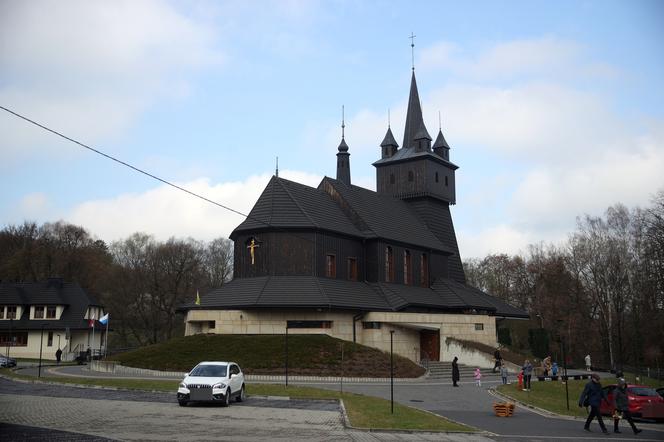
(343, 122)
(343, 157)
(412, 49)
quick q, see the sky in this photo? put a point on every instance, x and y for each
(552, 109)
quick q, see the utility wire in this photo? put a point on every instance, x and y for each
(128, 165)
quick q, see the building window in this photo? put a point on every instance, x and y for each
(39, 312)
(371, 325)
(50, 312)
(391, 178)
(389, 264)
(352, 269)
(16, 339)
(436, 176)
(424, 270)
(479, 327)
(331, 266)
(410, 175)
(309, 324)
(50, 339)
(407, 268)
(446, 181)
(11, 312)
(2, 312)
(211, 325)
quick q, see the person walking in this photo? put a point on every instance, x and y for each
(588, 362)
(498, 359)
(503, 373)
(58, 355)
(554, 370)
(592, 396)
(527, 374)
(455, 372)
(620, 403)
(478, 377)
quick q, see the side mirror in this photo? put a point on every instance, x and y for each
(186, 374)
(233, 375)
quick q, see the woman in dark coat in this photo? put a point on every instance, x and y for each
(592, 396)
(621, 406)
(455, 372)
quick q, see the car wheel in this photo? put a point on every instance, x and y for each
(227, 398)
(242, 396)
(182, 402)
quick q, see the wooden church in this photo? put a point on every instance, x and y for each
(356, 264)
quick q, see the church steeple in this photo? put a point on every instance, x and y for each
(441, 147)
(389, 145)
(414, 120)
(343, 157)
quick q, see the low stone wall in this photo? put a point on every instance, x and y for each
(473, 358)
(114, 367)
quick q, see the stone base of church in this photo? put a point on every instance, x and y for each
(416, 336)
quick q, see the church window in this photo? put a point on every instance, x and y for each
(39, 312)
(49, 342)
(352, 269)
(389, 264)
(391, 178)
(407, 268)
(331, 266)
(2, 312)
(446, 181)
(410, 175)
(11, 312)
(436, 176)
(479, 327)
(50, 312)
(371, 325)
(424, 270)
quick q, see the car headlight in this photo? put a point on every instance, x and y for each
(183, 385)
(219, 385)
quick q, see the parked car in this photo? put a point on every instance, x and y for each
(661, 391)
(212, 382)
(643, 402)
(7, 361)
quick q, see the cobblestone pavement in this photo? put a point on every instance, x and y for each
(127, 415)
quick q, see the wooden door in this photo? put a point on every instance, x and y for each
(430, 343)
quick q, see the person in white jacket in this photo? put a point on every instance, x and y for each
(588, 364)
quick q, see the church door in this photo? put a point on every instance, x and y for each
(430, 343)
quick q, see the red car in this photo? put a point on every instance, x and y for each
(644, 402)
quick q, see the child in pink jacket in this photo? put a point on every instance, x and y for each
(478, 377)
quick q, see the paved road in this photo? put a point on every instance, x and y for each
(89, 414)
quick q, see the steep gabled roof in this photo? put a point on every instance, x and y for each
(289, 205)
(386, 217)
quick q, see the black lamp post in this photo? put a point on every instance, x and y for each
(392, 371)
(11, 335)
(562, 351)
(41, 343)
(287, 353)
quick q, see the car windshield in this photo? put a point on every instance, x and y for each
(209, 371)
(642, 391)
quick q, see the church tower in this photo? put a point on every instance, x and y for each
(343, 157)
(423, 176)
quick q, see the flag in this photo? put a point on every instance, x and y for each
(104, 319)
(198, 298)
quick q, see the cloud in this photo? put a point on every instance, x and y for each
(501, 238)
(91, 67)
(165, 212)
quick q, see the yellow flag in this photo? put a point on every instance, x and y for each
(198, 298)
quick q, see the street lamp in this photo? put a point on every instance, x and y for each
(286, 353)
(392, 371)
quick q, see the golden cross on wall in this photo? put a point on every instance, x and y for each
(252, 245)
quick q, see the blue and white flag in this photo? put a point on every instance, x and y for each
(104, 319)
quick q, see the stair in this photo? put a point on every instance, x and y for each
(443, 370)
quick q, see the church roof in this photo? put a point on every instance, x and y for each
(318, 292)
(389, 139)
(287, 204)
(409, 154)
(413, 116)
(440, 141)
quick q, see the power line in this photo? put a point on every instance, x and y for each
(128, 165)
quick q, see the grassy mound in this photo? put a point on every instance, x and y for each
(313, 355)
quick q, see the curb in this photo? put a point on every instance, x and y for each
(540, 411)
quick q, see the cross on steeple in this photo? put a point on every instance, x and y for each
(412, 48)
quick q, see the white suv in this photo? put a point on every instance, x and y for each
(212, 382)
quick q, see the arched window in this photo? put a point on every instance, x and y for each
(424, 270)
(407, 268)
(389, 264)
(446, 180)
(391, 178)
(410, 175)
(436, 176)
